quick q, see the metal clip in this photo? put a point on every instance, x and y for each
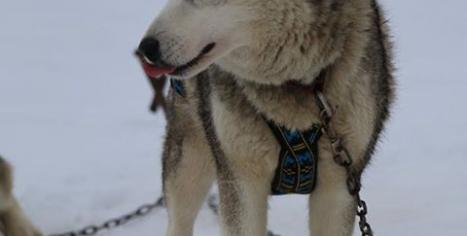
(327, 111)
(341, 155)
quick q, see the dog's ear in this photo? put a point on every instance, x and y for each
(159, 98)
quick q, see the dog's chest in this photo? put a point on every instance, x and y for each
(248, 138)
(241, 131)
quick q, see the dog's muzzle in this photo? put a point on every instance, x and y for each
(150, 56)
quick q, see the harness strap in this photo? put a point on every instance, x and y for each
(178, 87)
(297, 169)
(298, 160)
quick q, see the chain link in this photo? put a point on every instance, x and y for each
(343, 158)
(117, 222)
(138, 213)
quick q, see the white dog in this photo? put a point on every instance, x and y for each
(247, 73)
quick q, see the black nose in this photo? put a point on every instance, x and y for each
(149, 48)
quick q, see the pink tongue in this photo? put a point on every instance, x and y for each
(156, 72)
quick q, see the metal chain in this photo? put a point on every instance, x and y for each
(138, 213)
(343, 158)
(117, 222)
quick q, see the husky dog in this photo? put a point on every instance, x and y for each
(12, 220)
(242, 62)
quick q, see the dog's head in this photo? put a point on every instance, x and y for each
(268, 41)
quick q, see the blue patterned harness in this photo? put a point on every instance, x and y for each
(298, 160)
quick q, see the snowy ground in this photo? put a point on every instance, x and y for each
(73, 120)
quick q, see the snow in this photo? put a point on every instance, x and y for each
(74, 120)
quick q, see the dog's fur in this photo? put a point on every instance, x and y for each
(13, 222)
(217, 129)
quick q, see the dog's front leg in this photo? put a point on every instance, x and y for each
(332, 208)
(188, 175)
(244, 197)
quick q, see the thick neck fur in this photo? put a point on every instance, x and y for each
(336, 41)
(296, 39)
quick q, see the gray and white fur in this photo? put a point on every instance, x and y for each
(217, 132)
